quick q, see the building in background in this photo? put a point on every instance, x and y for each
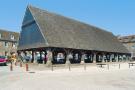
(8, 42)
(129, 43)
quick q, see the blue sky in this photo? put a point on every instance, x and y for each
(116, 16)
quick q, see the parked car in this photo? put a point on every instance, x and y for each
(3, 60)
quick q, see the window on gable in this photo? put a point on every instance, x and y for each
(12, 37)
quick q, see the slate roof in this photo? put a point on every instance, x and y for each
(6, 36)
(127, 39)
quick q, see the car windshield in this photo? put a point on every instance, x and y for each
(3, 57)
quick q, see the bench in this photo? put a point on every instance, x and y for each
(102, 64)
(131, 64)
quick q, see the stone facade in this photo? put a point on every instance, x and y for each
(8, 42)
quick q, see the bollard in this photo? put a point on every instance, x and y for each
(15, 63)
(84, 66)
(20, 64)
(108, 66)
(11, 67)
(52, 66)
(69, 67)
(27, 67)
(119, 66)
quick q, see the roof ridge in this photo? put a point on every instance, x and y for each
(5, 30)
(73, 19)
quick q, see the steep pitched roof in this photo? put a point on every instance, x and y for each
(60, 31)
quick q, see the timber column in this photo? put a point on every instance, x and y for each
(41, 60)
(82, 58)
(110, 57)
(68, 57)
(49, 61)
(94, 58)
(117, 58)
(32, 56)
(127, 58)
(103, 57)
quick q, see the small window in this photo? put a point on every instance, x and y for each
(6, 44)
(6, 53)
(12, 37)
(13, 44)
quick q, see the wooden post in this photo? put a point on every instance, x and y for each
(15, 63)
(117, 60)
(119, 66)
(45, 57)
(52, 67)
(32, 57)
(68, 52)
(84, 66)
(110, 57)
(27, 67)
(41, 60)
(11, 67)
(103, 58)
(68, 62)
(20, 64)
(49, 61)
(108, 66)
(91, 57)
(94, 58)
(82, 59)
(126, 58)
(69, 67)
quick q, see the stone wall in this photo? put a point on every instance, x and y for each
(6, 50)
